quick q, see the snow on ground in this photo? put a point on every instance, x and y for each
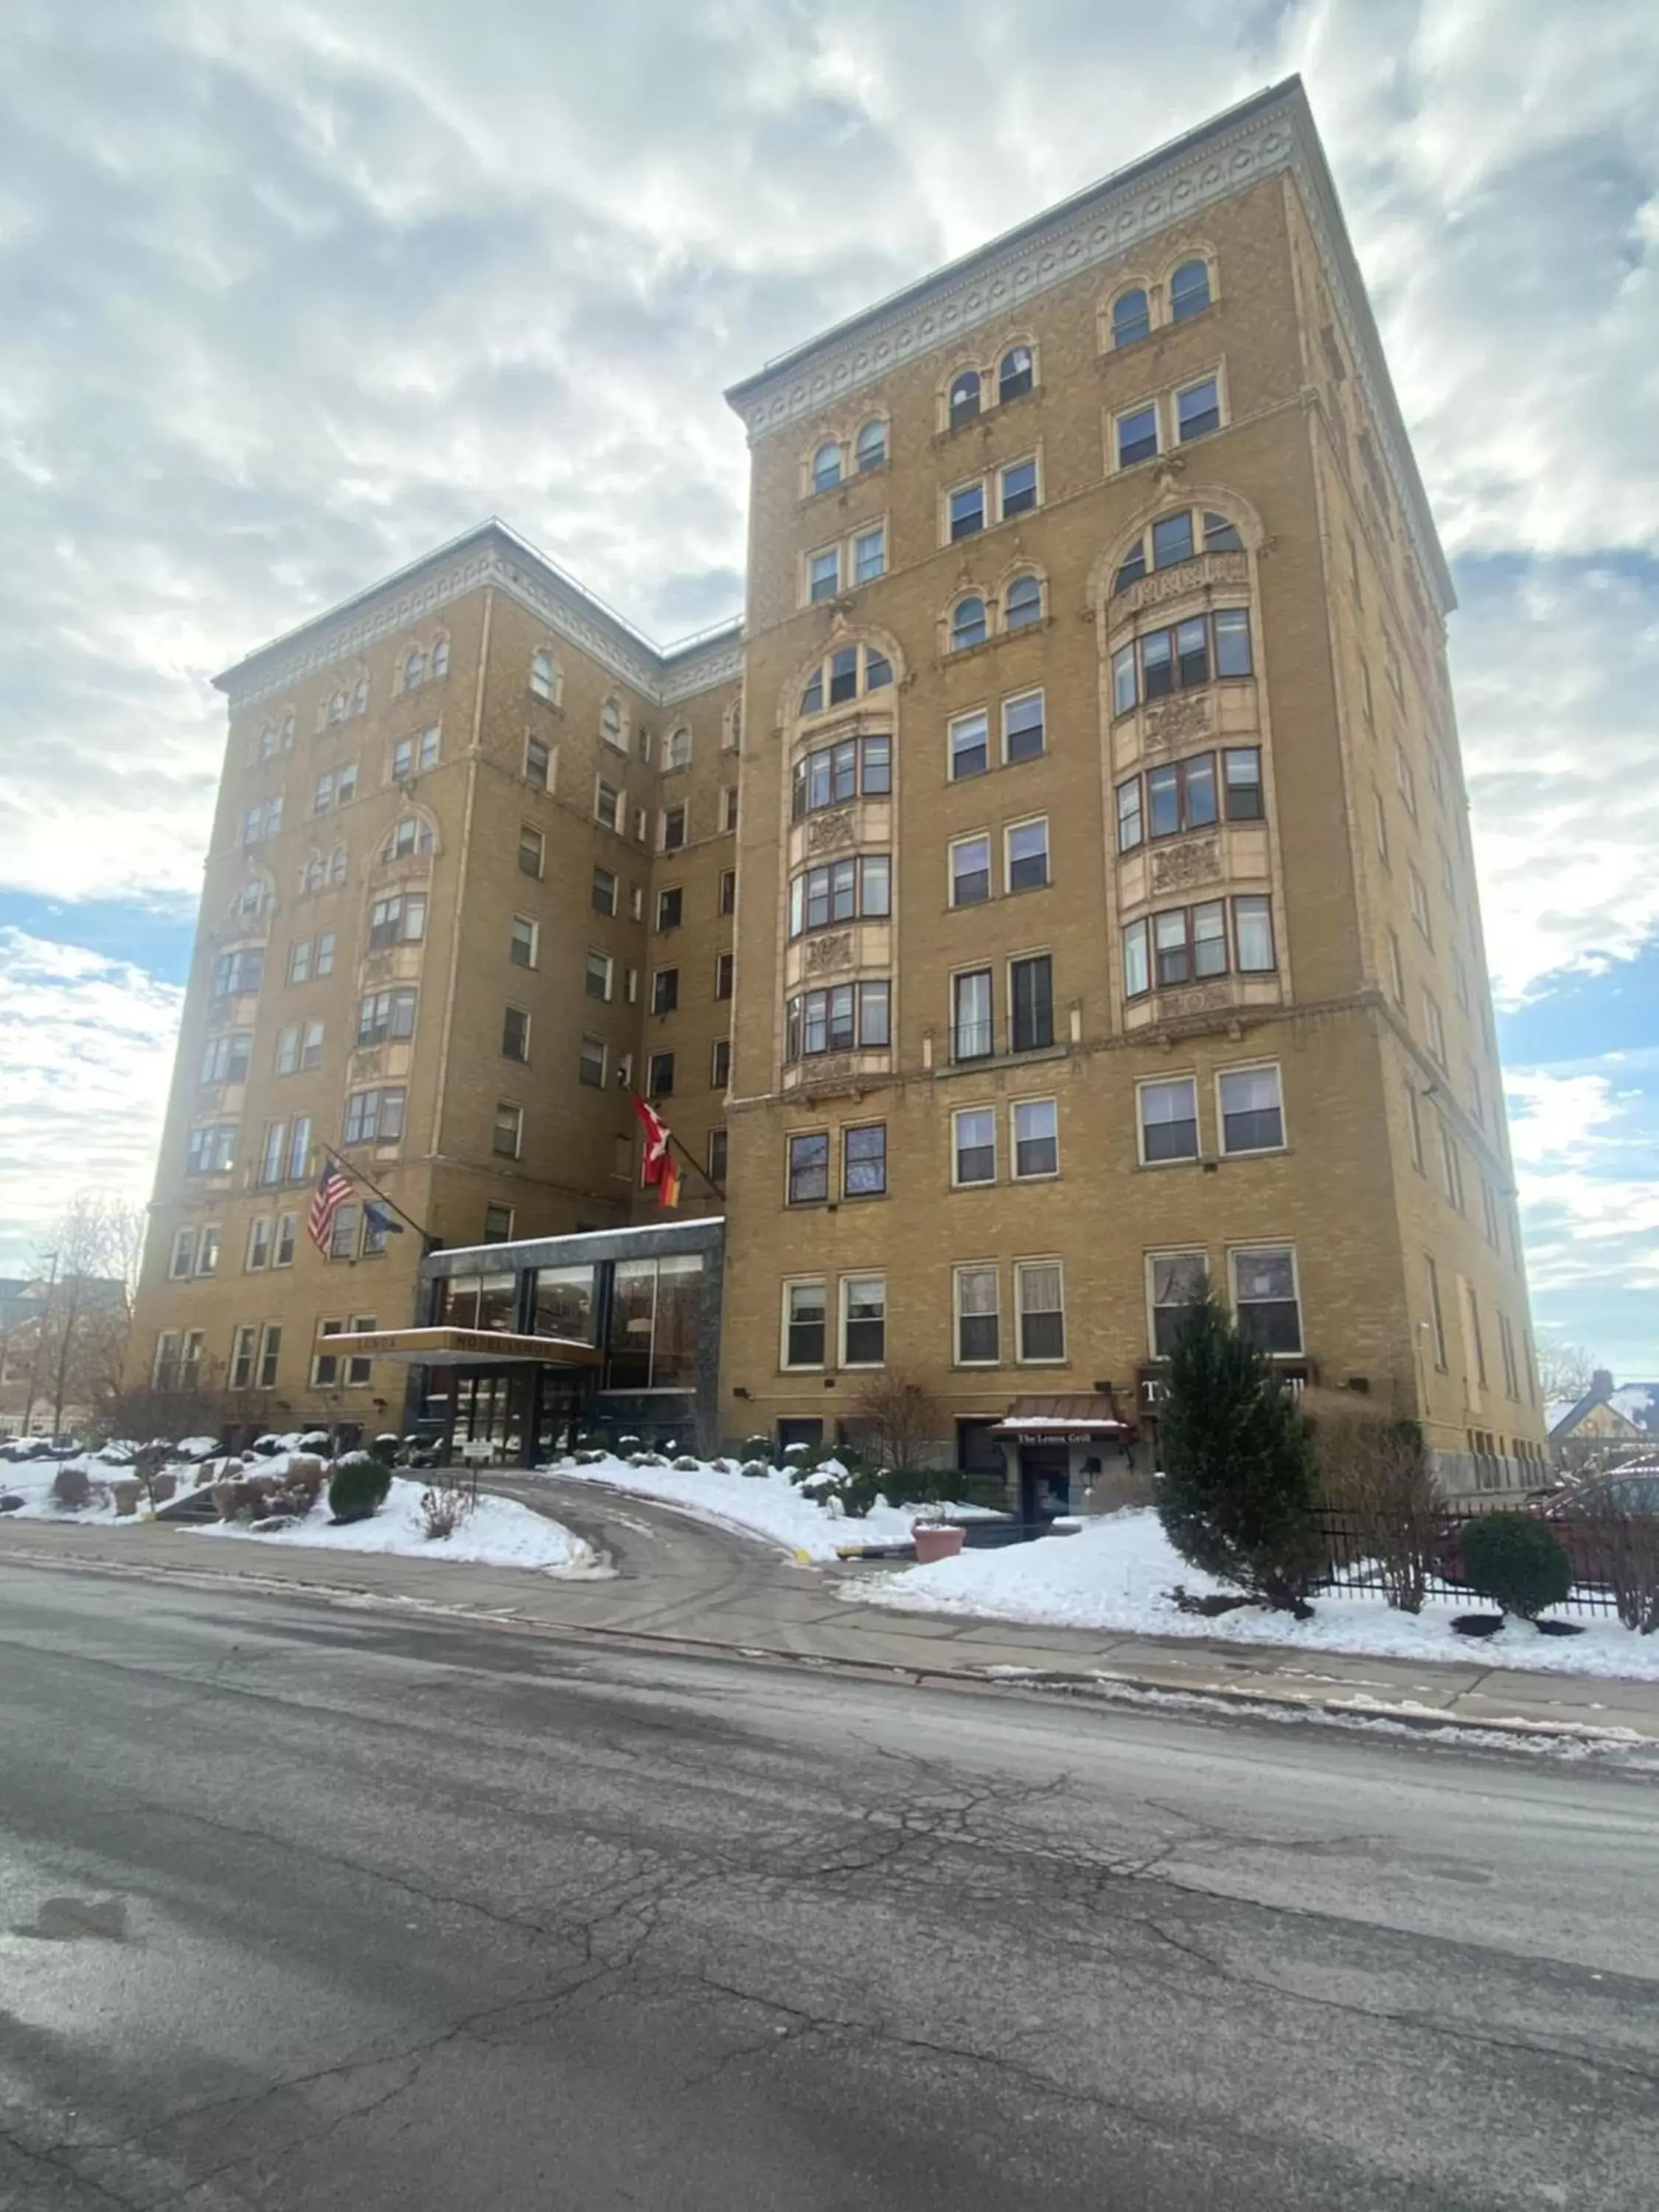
(497, 1533)
(768, 1505)
(1115, 1575)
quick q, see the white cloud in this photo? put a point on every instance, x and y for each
(86, 1054)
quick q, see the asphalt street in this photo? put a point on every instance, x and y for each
(302, 1906)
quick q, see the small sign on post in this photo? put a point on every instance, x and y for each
(478, 1450)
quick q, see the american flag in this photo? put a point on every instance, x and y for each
(334, 1190)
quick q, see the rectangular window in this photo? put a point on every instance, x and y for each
(242, 1348)
(237, 975)
(1198, 410)
(1242, 766)
(522, 948)
(1265, 1304)
(804, 1306)
(507, 1130)
(343, 1233)
(610, 807)
(532, 851)
(978, 1320)
(374, 1116)
(603, 897)
(1131, 823)
(598, 975)
(324, 964)
(728, 897)
(299, 1149)
(286, 1231)
(1137, 436)
(870, 555)
(515, 1034)
(670, 905)
(1040, 1298)
(386, 1016)
(1124, 691)
(1436, 1316)
(1414, 1125)
(1477, 1343)
(270, 1352)
(1451, 1167)
(183, 1261)
(1435, 1027)
(1022, 728)
(311, 1045)
(970, 1015)
(1232, 642)
(1189, 944)
(1417, 894)
(863, 1161)
(863, 1320)
(1253, 935)
(1025, 855)
(273, 1151)
(664, 990)
(723, 972)
(1018, 489)
(661, 1079)
(207, 1251)
(974, 1144)
(717, 1156)
(970, 746)
(970, 871)
(967, 511)
(1405, 781)
(1172, 539)
(1252, 1110)
(225, 1057)
(1396, 971)
(720, 1064)
(1169, 1120)
(809, 1168)
(1506, 1349)
(1174, 1280)
(537, 764)
(1036, 1138)
(259, 1245)
(1031, 1003)
(823, 573)
(673, 829)
(1380, 827)
(1137, 961)
(288, 1049)
(728, 806)
(592, 1065)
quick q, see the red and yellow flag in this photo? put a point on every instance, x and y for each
(660, 1167)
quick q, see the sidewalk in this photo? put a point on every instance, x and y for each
(793, 1613)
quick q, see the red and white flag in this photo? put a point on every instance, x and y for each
(660, 1168)
(331, 1193)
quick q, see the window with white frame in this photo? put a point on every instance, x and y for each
(239, 973)
(602, 897)
(1189, 291)
(870, 447)
(399, 919)
(1131, 316)
(962, 403)
(1136, 435)
(805, 1307)
(546, 682)
(1434, 1028)
(1025, 855)
(1022, 603)
(976, 1293)
(599, 973)
(1169, 1120)
(1040, 1299)
(823, 573)
(259, 1245)
(863, 1320)
(515, 1034)
(211, 1149)
(1017, 488)
(973, 1145)
(1023, 735)
(728, 808)
(1171, 538)
(1174, 1280)
(965, 511)
(971, 871)
(846, 673)
(1252, 1109)
(591, 1064)
(613, 724)
(841, 892)
(532, 850)
(1036, 1138)
(664, 990)
(679, 748)
(969, 626)
(869, 558)
(1265, 1305)
(1016, 373)
(414, 756)
(538, 764)
(1197, 410)
(507, 1133)
(827, 466)
(969, 736)
(521, 945)
(609, 806)
(972, 1036)
(183, 1261)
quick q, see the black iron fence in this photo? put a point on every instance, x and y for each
(1365, 1554)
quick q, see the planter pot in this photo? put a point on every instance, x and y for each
(126, 1494)
(936, 1543)
(162, 1487)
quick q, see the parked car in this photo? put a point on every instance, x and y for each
(1577, 1511)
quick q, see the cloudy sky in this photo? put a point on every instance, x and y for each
(291, 293)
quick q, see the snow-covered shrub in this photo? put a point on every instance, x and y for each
(647, 1459)
(266, 1447)
(755, 1469)
(1517, 1562)
(358, 1487)
(628, 1444)
(685, 1465)
(589, 1457)
(71, 1488)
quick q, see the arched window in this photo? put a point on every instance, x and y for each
(871, 450)
(1130, 318)
(964, 398)
(312, 878)
(441, 658)
(1023, 604)
(967, 624)
(359, 696)
(1174, 537)
(336, 707)
(1189, 291)
(1221, 536)
(288, 731)
(826, 467)
(414, 670)
(849, 671)
(337, 865)
(410, 835)
(679, 748)
(1016, 375)
(610, 722)
(541, 674)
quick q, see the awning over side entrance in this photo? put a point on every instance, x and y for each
(460, 1347)
(1061, 1417)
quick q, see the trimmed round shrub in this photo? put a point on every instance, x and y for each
(1515, 1561)
(358, 1487)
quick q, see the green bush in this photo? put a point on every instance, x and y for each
(1515, 1561)
(358, 1487)
(1240, 1482)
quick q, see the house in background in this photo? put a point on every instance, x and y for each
(1601, 1423)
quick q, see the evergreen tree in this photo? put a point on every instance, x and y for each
(1240, 1480)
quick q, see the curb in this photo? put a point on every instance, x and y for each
(1126, 1692)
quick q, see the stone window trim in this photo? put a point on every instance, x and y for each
(1156, 288)
(1018, 600)
(999, 379)
(1142, 946)
(1126, 434)
(545, 678)
(995, 491)
(824, 685)
(843, 453)
(840, 566)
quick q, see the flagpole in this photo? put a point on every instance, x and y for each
(350, 1168)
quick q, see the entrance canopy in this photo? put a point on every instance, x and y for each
(1065, 1417)
(460, 1347)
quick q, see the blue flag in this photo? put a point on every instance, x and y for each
(378, 1221)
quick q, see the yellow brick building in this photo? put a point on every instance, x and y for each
(1100, 912)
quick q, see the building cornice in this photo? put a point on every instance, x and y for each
(1272, 134)
(491, 557)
